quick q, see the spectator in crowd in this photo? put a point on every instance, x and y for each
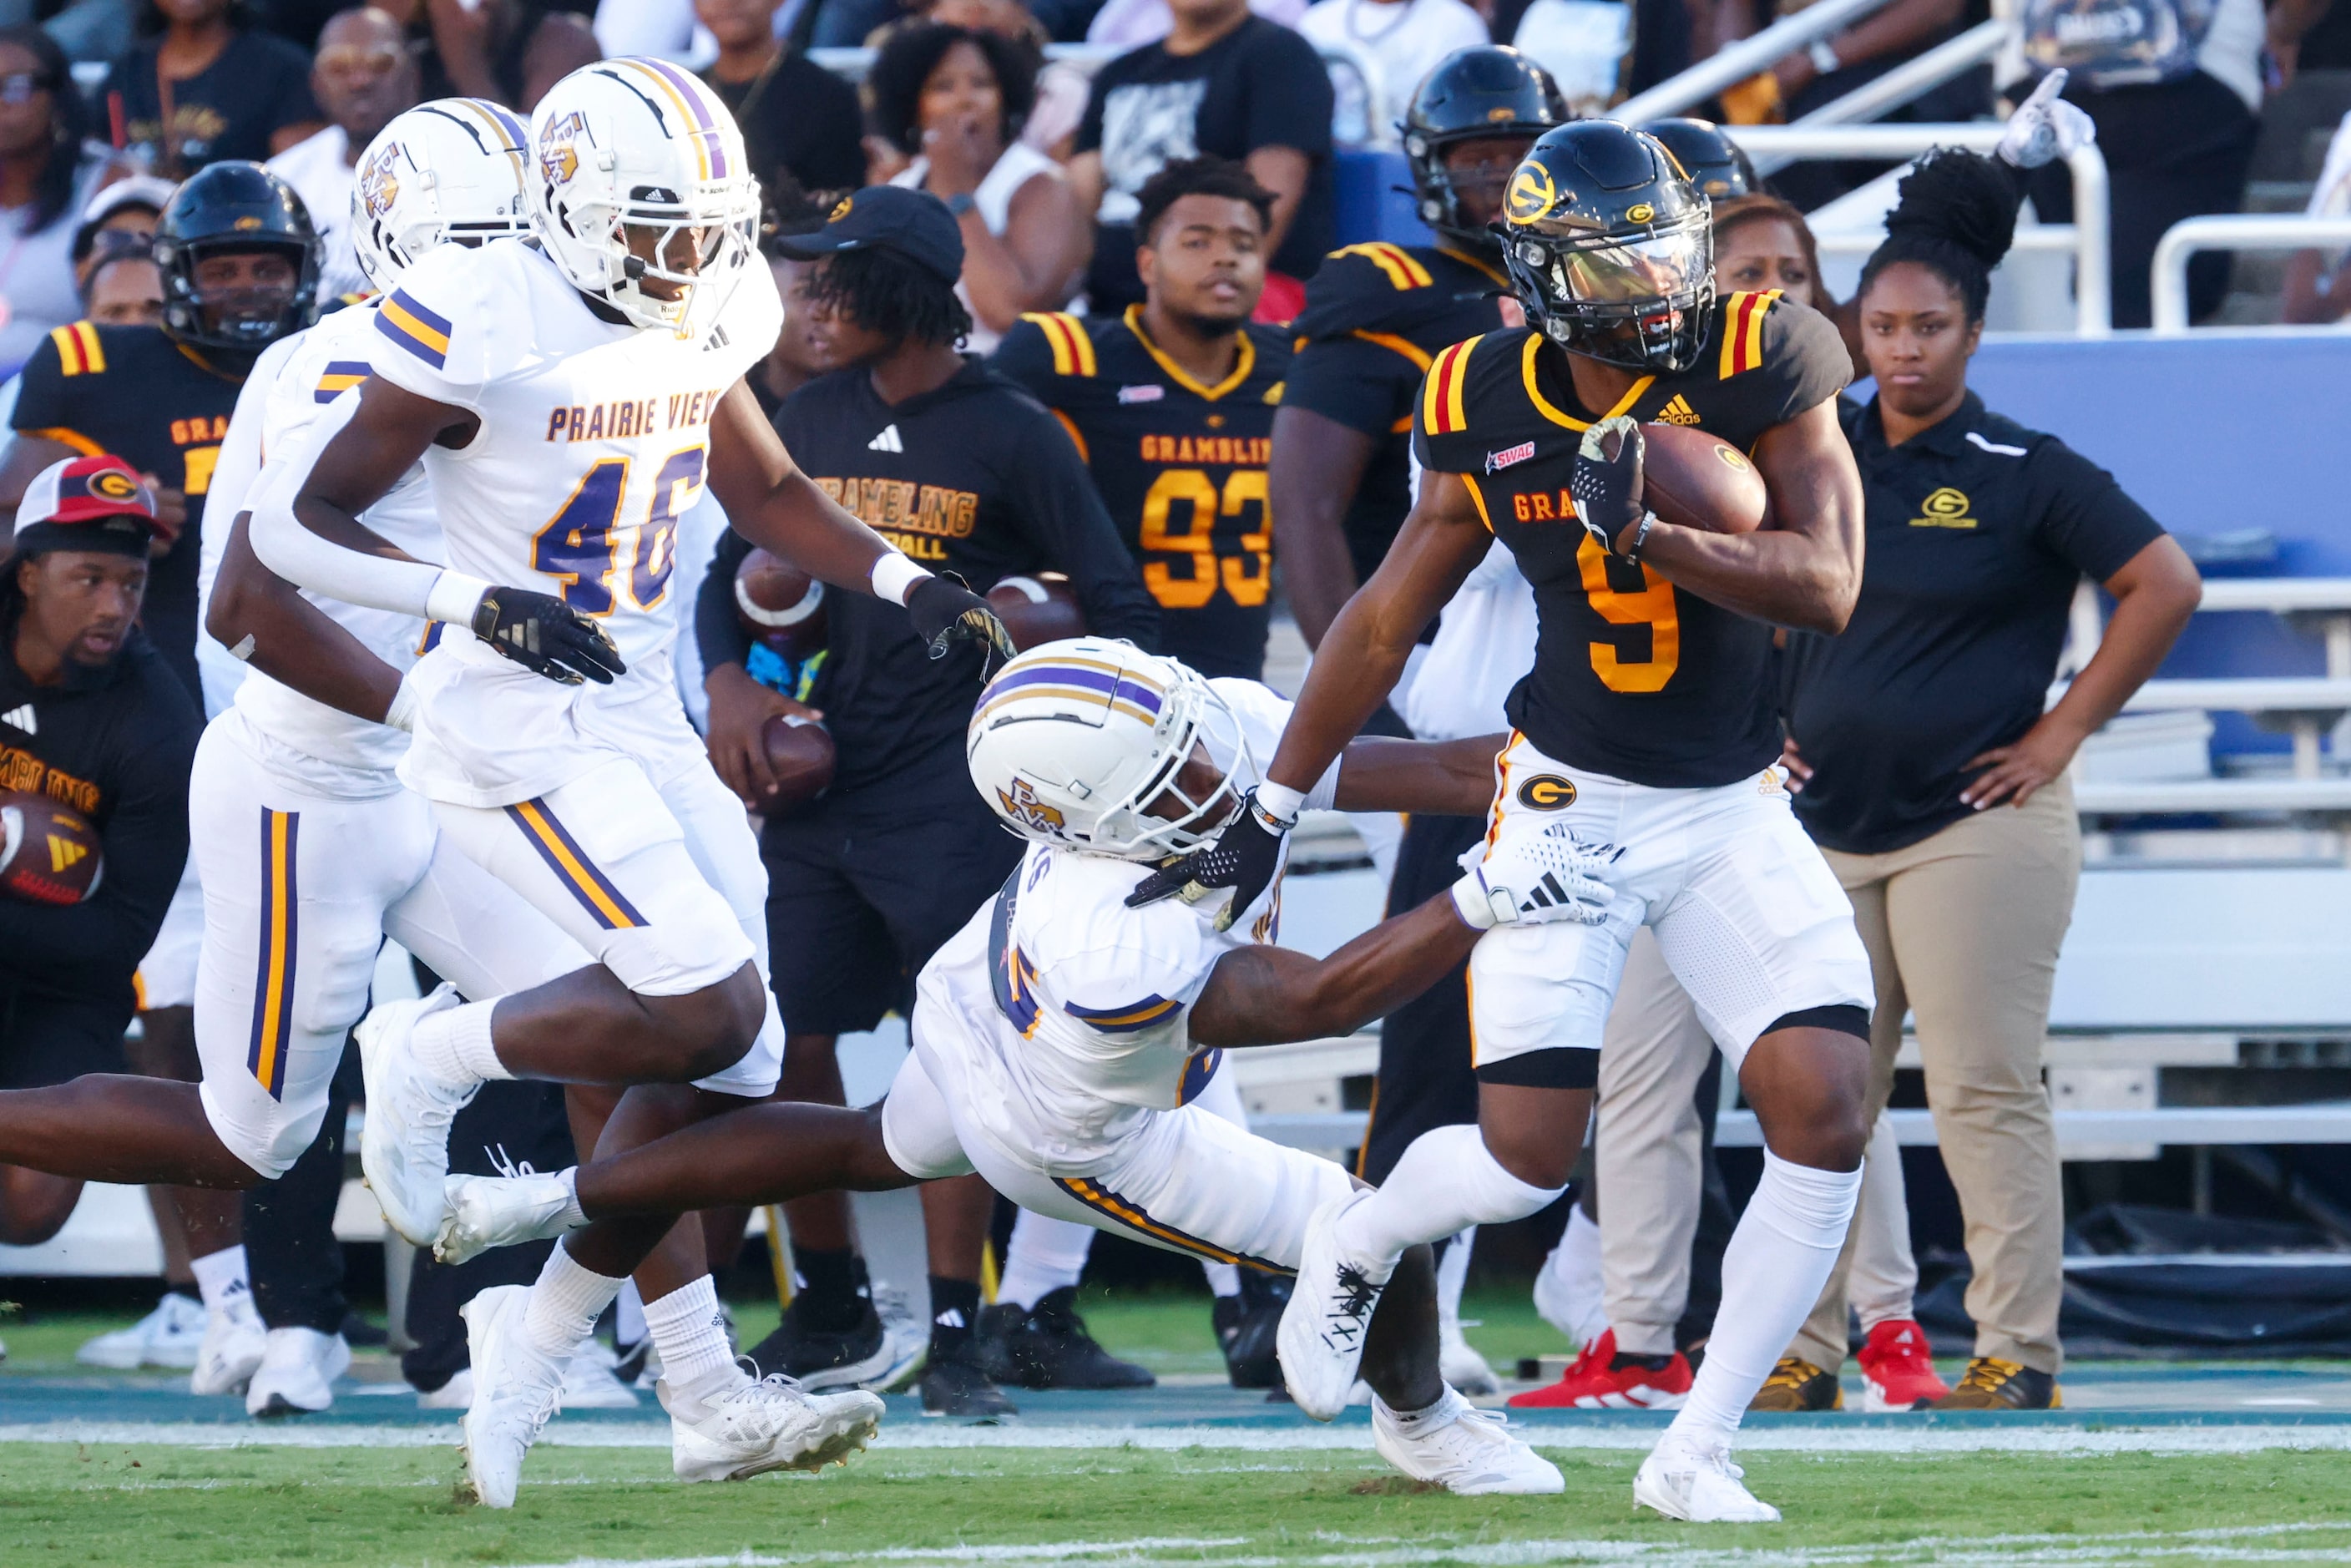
(795, 360)
(1061, 88)
(1131, 24)
(509, 51)
(955, 99)
(799, 120)
(45, 176)
(1397, 38)
(364, 74)
(1229, 85)
(1931, 775)
(130, 206)
(1762, 242)
(206, 84)
(2317, 285)
(122, 286)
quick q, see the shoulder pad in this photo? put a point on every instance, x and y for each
(1065, 335)
(1363, 286)
(80, 352)
(1742, 330)
(1399, 265)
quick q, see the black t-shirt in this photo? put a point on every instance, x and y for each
(799, 117)
(1376, 317)
(1181, 466)
(1979, 530)
(1260, 85)
(974, 478)
(260, 84)
(116, 745)
(1633, 676)
(162, 409)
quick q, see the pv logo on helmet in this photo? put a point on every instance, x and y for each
(1532, 194)
(377, 189)
(1021, 803)
(558, 159)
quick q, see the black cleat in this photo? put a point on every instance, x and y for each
(1796, 1384)
(956, 1388)
(991, 1340)
(1049, 1347)
(825, 1358)
(1246, 1326)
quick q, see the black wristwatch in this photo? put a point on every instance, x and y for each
(961, 202)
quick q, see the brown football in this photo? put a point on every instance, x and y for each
(49, 853)
(1038, 610)
(800, 750)
(1701, 481)
(779, 605)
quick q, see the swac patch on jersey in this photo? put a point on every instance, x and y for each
(415, 328)
(340, 377)
(1742, 330)
(1074, 349)
(1403, 268)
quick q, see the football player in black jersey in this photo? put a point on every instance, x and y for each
(1173, 405)
(1645, 733)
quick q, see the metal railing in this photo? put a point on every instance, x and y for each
(2229, 231)
(1734, 63)
(2085, 237)
(1911, 80)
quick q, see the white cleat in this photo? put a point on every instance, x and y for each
(1458, 1362)
(731, 1427)
(1569, 1293)
(298, 1372)
(1320, 1342)
(516, 1389)
(1463, 1449)
(589, 1382)
(171, 1335)
(1683, 1480)
(479, 1212)
(234, 1341)
(404, 1139)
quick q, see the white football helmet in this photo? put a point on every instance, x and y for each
(448, 170)
(1073, 739)
(641, 143)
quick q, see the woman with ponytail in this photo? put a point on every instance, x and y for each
(1931, 777)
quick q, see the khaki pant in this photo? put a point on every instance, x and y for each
(1645, 1153)
(1963, 929)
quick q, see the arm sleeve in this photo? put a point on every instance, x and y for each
(100, 940)
(1362, 385)
(719, 635)
(2083, 517)
(1054, 500)
(1290, 101)
(307, 561)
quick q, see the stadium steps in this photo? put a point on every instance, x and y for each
(2296, 125)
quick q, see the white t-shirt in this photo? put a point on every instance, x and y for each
(1582, 43)
(318, 169)
(1404, 38)
(1485, 644)
(1131, 24)
(37, 284)
(993, 198)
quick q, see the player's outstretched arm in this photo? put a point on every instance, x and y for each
(1448, 777)
(771, 503)
(263, 620)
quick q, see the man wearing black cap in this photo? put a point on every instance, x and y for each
(966, 474)
(91, 716)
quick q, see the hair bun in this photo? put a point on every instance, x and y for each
(1961, 198)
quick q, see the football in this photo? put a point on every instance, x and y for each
(801, 752)
(779, 605)
(1701, 481)
(1038, 610)
(49, 853)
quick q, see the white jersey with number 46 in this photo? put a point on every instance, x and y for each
(594, 439)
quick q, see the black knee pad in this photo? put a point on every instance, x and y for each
(1566, 1067)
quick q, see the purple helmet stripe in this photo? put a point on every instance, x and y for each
(1112, 686)
(708, 129)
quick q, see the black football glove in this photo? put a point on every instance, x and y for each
(1244, 858)
(945, 613)
(547, 637)
(1607, 480)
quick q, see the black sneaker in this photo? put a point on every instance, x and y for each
(1796, 1384)
(1246, 1326)
(1050, 1348)
(825, 1358)
(956, 1388)
(1991, 1383)
(991, 1341)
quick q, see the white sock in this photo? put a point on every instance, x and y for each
(1778, 1259)
(221, 1277)
(1447, 1406)
(1452, 1275)
(628, 1318)
(1444, 1181)
(1045, 1255)
(690, 1333)
(574, 1218)
(565, 1303)
(1224, 1278)
(453, 1045)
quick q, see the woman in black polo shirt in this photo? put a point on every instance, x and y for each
(1934, 781)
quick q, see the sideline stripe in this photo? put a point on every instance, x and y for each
(272, 986)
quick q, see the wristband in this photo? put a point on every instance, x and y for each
(1481, 908)
(1640, 536)
(895, 577)
(402, 714)
(1280, 802)
(453, 598)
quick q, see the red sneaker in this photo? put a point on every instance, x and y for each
(1602, 1380)
(1896, 1371)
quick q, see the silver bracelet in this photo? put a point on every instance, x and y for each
(1633, 551)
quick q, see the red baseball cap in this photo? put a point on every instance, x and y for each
(89, 503)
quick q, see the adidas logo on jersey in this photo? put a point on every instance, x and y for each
(22, 717)
(1678, 412)
(717, 340)
(887, 441)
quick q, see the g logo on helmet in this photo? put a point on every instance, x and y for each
(1532, 194)
(558, 159)
(1639, 212)
(113, 484)
(1020, 804)
(377, 189)
(1547, 792)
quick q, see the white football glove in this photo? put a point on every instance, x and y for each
(2045, 128)
(1551, 875)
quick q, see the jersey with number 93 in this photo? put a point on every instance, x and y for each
(594, 439)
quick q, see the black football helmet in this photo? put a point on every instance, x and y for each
(1610, 248)
(235, 208)
(1714, 163)
(1472, 94)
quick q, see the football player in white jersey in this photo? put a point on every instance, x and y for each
(1060, 1037)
